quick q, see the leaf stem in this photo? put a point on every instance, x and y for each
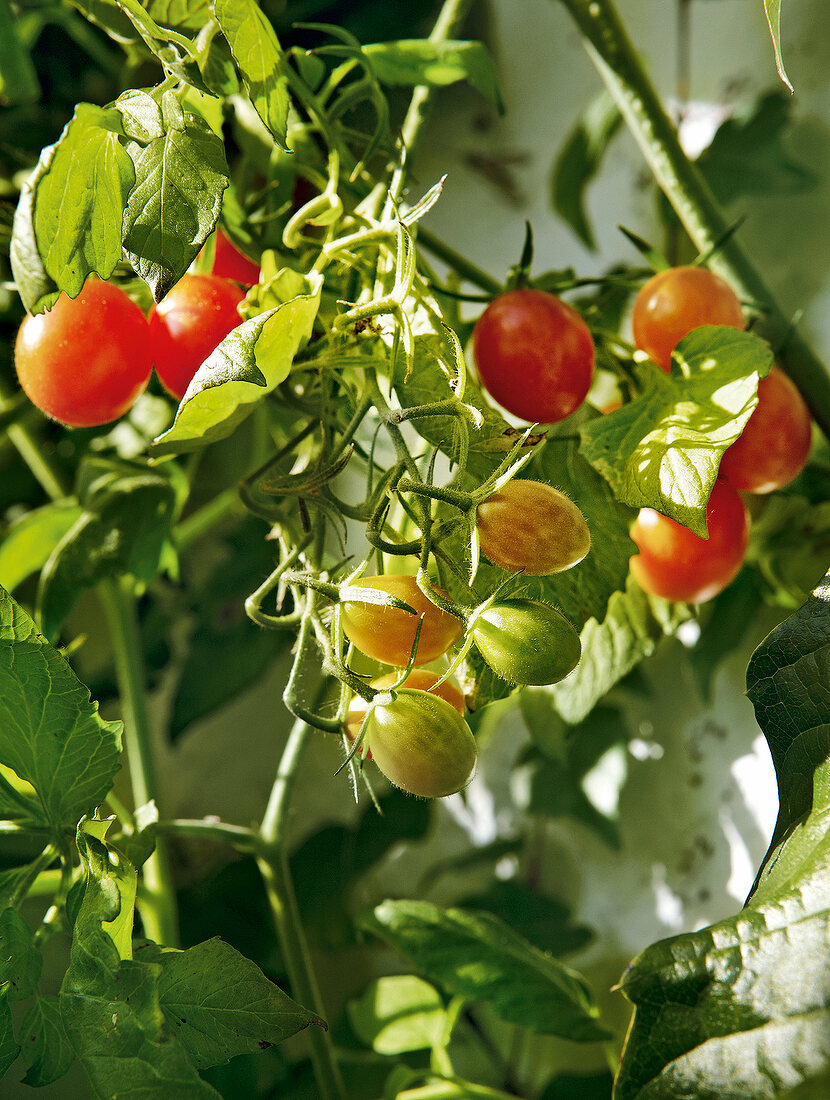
(118, 597)
(680, 179)
(27, 445)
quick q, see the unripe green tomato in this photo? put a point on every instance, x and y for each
(421, 743)
(532, 527)
(420, 678)
(526, 642)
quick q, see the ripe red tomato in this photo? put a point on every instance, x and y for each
(387, 633)
(534, 355)
(674, 302)
(419, 678)
(230, 263)
(188, 324)
(676, 564)
(86, 360)
(775, 444)
(532, 527)
(421, 744)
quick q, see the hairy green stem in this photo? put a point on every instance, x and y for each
(159, 908)
(683, 184)
(276, 873)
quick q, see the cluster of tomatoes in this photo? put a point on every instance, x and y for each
(86, 361)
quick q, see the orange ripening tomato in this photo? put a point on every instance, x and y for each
(532, 527)
(86, 360)
(674, 302)
(419, 678)
(775, 444)
(387, 633)
(534, 354)
(677, 564)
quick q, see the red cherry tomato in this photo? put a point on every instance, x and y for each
(188, 324)
(674, 302)
(534, 355)
(774, 446)
(230, 263)
(677, 564)
(86, 360)
(387, 633)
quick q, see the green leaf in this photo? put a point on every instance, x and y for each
(9, 1048)
(612, 646)
(20, 960)
(257, 52)
(222, 1005)
(742, 1008)
(18, 77)
(663, 450)
(249, 363)
(125, 529)
(32, 538)
(178, 55)
(477, 956)
(399, 1013)
(50, 733)
(45, 1048)
(579, 161)
(773, 10)
(541, 919)
(174, 206)
(181, 14)
(435, 64)
(36, 289)
(748, 155)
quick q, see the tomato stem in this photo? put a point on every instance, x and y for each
(683, 184)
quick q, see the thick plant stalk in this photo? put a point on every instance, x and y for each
(684, 186)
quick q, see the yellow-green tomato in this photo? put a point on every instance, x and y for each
(420, 742)
(420, 678)
(532, 527)
(526, 642)
(387, 633)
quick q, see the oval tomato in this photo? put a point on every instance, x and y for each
(86, 360)
(677, 564)
(420, 743)
(674, 302)
(387, 633)
(419, 678)
(186, 326)
(529, 526)
(775, 444)
(525, 641)
(534, 354)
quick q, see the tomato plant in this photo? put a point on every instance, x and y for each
(531, 527)
(388, 633)
(86, 360)
(676, 564)
(421, 743)
(775, 444)
(186, 326)
(677, 300)
(534, 354)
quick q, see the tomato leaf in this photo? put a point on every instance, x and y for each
(178, 55)
(20, 960)
(721, 1012)
(69, 225)
(51, 734)
(249, 363)
(663, 449)
(477, 956)
(45, 1047)
(579, 161)
(32, 538)
(399, 1013)
(258, 54)
(435, 64)
(773, 10)
(174, 206)
(18, 77)
(9, 1048)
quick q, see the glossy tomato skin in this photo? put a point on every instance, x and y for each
(421, 743)
(676, 564)
(674, 302)
(86, 360)
(186, 326)
(230, 263)
(534, 354)
(775, 444)
(387, 633)
(525, 641)
(419, 678)
(531, 527)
